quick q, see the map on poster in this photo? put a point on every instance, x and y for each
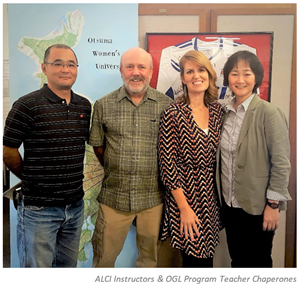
(69, 33)
(98, 43)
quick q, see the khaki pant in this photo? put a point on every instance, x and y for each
(111, 230)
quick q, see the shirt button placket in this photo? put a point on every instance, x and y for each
(134, 159)
(64, 102)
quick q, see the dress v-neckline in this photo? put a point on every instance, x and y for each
(195, 123)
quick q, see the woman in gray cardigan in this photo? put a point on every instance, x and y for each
(252, 165)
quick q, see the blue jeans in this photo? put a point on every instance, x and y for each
(49, 236)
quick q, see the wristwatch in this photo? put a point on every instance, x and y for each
(273, 205)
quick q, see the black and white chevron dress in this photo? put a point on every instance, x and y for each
(187, 160)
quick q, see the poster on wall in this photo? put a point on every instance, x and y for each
(99, 34)
(167, 49)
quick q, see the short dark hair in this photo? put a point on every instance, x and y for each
(249, 58)
(58, 46)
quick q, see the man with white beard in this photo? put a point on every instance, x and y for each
(124, 136)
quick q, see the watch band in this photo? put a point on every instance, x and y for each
(273, 205)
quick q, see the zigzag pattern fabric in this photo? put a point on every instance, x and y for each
(187, 160)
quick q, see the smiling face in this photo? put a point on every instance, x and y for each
(241, 81)
(195, 77)
(60, 78)
(136, 71)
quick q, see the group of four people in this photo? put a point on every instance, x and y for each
(183, 169)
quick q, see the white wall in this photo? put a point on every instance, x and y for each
(166, 24)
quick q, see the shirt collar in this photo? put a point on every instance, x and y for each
(245, 104)
(148, 95)
(50, 95)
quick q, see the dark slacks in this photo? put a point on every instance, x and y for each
(248, 244)
(190, 261)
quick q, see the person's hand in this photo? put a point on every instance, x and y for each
(189, 223)
(271, 218)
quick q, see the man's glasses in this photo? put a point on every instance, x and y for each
(60, 65)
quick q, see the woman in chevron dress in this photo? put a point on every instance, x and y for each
(188, 139)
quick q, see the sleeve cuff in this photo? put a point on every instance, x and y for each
(276, 196)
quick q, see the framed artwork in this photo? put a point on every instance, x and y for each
(166, 50)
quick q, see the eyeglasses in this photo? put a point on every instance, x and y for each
(61, 65)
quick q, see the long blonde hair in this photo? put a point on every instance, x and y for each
(211, 94)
